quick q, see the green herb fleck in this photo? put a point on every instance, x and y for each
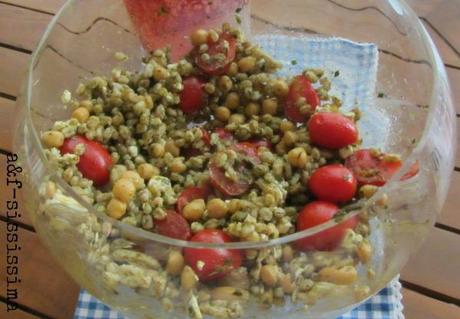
(238, 10)
(413, 141)
(238, 19)
(336, 73)
(294, 62)
(380, 95)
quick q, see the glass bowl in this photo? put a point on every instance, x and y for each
(411, 114)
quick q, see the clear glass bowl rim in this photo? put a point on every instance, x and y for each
(143, 235)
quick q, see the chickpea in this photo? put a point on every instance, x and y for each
(286, 283)
(367, 191)
(124, 190)
(199, 37)
(269, 275)
(160, 73)
(252, 109)
(237, 119)
(146, 170)
(134, 177)
(188, 278)
(213, 35)
(194, 210)
(339, 276)
(247, 64)
(53, 139)
(225, 83)
(289, 138)
(232, 101)
(172, 148)
(87, 104)
(364, 252)
(297, 157)
(175, 263)
(50, 189)
(288, 253)
(270, 106)
(286, 126)
(233, 69)
(81, 114)
(158, 150)
(116, 208)
(222, 113)
(280, 87)
(217, 208)
(177, 166)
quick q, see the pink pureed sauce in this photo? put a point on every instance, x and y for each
(162, 23)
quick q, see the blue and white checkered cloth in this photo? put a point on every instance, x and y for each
(385, 305)
(357, 65)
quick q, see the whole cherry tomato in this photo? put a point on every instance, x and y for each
(333, 183)
(300, 87)
(192, 97)
(370, 167)
(173, 225)
(226, 46)
(332, 130)
(210, 263)
(317, 213)
(95, 163)
(191, 193)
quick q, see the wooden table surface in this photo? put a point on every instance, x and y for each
(431, 280)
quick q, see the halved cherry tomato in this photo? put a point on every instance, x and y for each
(192, 97)
(316, 213)
(300, 87)
(173, 225)
(333, 183)
(224, 184)
(332, 130)
(226, 46)
(189, 194)
(208, 263)
(370, 168)
(95, 162)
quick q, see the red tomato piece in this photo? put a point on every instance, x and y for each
(206, 137)
(332, 130)
(413, 170)
(226, 45)
(95, 162)
(300, 87)
(249, 149)
(333, 183)
(370, 168)
(192, 97)
(173, 225)
(209, 263)
(224, 134)
(317, 213)
(189, 194)
(224, 184)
